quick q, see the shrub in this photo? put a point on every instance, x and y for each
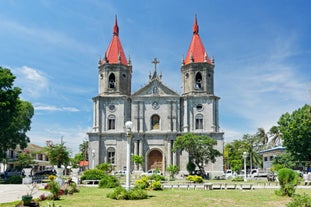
(300, 201)
(195, 178)
(288, 180)
(109, 181)
(14, 180)
(156, 185)
(172, 169)
(137, 194)
(121, 194)
(142, 183)
(106, 167)
(238, 179)
(156, 177)
(54, 189)
(93, 174)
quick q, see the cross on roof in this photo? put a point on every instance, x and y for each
(155, 62)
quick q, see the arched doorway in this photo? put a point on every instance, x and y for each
(155, 158)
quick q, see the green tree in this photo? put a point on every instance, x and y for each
(15, 114)
(252, 146)
(58, 154)
(283, 160)
(25, 159)
(200, 148)
(275, 136)
(173, 170)
(234, 151)
(84, 149)
(76, 160)
(138, 160)
(295, 131)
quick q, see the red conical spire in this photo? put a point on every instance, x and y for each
(115, 53)
(195, 26)
(196, 52)
(115, 27)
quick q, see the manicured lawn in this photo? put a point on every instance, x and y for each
(95, 197)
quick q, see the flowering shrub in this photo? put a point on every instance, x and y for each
(195, 178)
(58, 154)
(93, 174)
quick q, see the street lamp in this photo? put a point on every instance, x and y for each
(128, 129)
(93, 158)
(244, 156)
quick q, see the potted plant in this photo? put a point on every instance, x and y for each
(28, 197)
(25, 162)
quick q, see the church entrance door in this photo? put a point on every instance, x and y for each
(155, 158)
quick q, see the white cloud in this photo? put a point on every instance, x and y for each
(32, 81)
(45, 35)
(72, 136)
(40, 107)
(262, 88)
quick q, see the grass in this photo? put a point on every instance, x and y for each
(95, 197)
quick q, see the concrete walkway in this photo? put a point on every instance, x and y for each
(14, 192)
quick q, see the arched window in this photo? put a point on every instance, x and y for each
(199, 121)
(112, 81)
(111, 122)
(198, 81)
(155, 122)
(111, 152)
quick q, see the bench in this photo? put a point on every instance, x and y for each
(246, 187)
(217, 186)
(208, 186)
(230, 186)
(90, 182)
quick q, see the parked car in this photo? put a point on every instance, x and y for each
(258, 173)
(228, 174)
(45, 173)
(151, 172)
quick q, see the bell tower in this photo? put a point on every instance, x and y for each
(199, 104)
(114, 71)
(197, 69)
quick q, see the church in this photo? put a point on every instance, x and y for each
(158, 113)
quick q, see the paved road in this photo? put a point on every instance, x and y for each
(12, 192)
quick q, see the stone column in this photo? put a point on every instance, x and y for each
(169, 153)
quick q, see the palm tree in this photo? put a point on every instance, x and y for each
(275, 136)
(262, 136)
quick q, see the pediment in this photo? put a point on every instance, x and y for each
(155, 87)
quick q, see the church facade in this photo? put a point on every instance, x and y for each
(158, 113)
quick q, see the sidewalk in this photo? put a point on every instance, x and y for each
(14, 192)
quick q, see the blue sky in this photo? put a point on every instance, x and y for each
(262, 53)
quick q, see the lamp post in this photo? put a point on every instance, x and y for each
(93, 158)
(128, 129)
(244, 156)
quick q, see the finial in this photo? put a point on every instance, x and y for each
(99, 61)
(183, 61)
(195, 26)
(115, 27)
(213, 60)
(129, 63)
(205, 56)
